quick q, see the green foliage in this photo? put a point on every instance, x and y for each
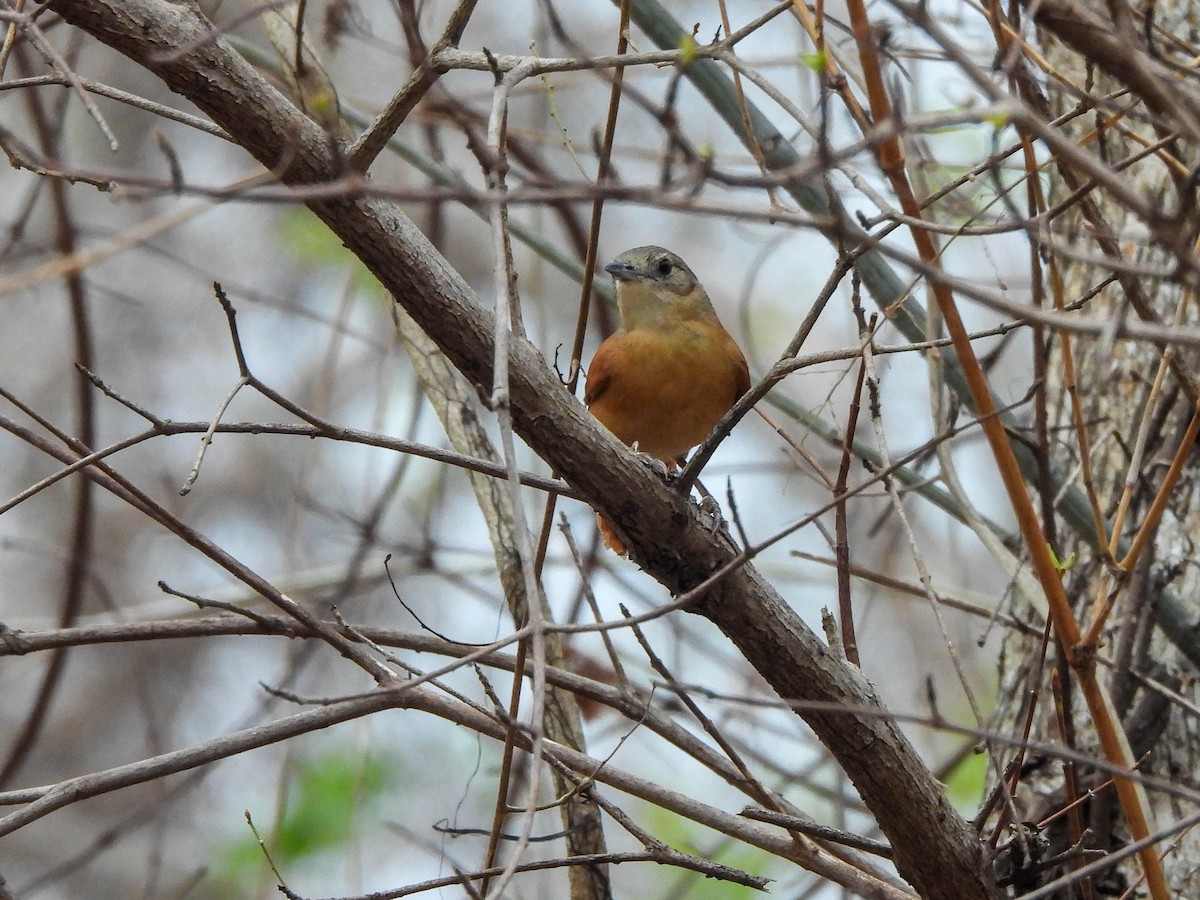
(308, 242)
(689, 837)
(327, 795)
(816, 61)
(328, 798)
(689, 48)
(1061, 565)
(967, 781)
(999, 119)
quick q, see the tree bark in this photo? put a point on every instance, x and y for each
(1104, 48)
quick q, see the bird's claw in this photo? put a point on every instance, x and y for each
(656, 465)
(708, 506)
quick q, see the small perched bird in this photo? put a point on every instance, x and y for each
(671, 371)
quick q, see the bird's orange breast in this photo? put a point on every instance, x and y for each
(665, 389)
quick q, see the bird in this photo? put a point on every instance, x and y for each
(667, 375)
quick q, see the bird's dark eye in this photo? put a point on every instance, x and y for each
(664, 267)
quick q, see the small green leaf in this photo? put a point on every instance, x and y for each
(688, 49)
(998, 119)
(1063, 565)
(816, 61)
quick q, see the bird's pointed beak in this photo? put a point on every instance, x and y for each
(621, 271)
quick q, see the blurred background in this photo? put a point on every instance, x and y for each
(364, 806)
